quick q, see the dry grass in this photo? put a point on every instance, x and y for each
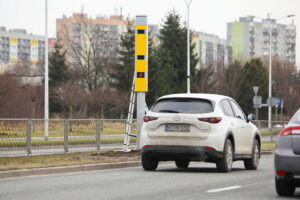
(268, 146)
(71, 159)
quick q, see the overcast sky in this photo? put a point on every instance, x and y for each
(209, 16)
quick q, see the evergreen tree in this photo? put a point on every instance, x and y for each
(58, 73)
(172, 57)
(254, 74)
(123, 69)
(58, 70)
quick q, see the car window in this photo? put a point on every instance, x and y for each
(227, 108)
(237, 110)
(296, 118)
(183, 105)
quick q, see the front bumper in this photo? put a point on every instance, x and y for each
(172, 153)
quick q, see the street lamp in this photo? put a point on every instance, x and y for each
(46, 133)
(270, 73)
(188, 3)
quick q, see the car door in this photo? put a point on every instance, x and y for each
(243, 131)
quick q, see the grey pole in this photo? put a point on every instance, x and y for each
(46, 133)
(270, 82)
(188, 47)
(140, 109)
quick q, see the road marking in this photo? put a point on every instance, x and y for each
(224, 189)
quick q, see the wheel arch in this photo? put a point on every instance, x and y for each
(230, 136)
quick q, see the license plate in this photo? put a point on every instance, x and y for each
(177, 128)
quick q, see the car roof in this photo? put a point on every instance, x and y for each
(214, 97)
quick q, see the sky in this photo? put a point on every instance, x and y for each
(210, 16)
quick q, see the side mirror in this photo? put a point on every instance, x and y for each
(250, 117)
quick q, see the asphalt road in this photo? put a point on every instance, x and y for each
(200, 181)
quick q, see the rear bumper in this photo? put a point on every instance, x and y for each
(172, 152)
(286, 160)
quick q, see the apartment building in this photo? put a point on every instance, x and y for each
(212, 50)
(251, 38)
(17, 46)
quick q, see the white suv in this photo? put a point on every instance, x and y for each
(198, 127)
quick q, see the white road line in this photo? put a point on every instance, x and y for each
(224, 189)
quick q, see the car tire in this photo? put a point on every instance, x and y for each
(253, 162)
(149, 164)
(225, 164)
(284, 187)
(182, 164)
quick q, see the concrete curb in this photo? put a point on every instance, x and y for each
(76, 168)
(67, 169)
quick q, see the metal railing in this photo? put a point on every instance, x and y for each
(21, 137)
(25, 137)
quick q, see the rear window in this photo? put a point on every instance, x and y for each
(296, 118)
(183, 105)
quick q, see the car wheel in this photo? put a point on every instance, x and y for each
(183, 164)
(225, 164)
(252, 163)
(149, 164)
(284, 187)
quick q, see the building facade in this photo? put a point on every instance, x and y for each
(80, 35)
(17, 46)
(250, 38)
(212, 50)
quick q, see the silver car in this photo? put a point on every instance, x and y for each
(287, 158)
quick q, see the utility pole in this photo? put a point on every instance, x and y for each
(46, 133)
(188, 46)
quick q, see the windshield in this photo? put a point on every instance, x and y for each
(183, 105)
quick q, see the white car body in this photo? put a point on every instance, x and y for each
(201, 133)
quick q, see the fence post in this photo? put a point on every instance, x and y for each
(98, 130)
(28, 137)
(66, 137)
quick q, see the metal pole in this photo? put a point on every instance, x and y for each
(281, 109)
(256, 113)
(188, 47)
(66, 137)
(98, 130)
(46, 133)
(140, 110)
(276, 112)
(270, 84)
(28, 137)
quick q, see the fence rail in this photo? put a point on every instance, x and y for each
(21, 137)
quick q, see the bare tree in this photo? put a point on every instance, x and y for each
(71, 96)
(90, 48)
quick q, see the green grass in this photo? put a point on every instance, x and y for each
(267, 132)
(22, 143)
(56, 128)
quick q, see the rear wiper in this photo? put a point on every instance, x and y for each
(168, 111)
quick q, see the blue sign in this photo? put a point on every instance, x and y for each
(278, 101)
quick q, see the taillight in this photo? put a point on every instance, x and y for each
(213, 120)
(281, 172)
(149, 118)
(294, 130)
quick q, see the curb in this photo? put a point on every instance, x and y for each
(76, 168)
(267, 152)
(67, 169)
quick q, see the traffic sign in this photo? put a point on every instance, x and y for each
(255, 89)
(257, 101)
(278, 101)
